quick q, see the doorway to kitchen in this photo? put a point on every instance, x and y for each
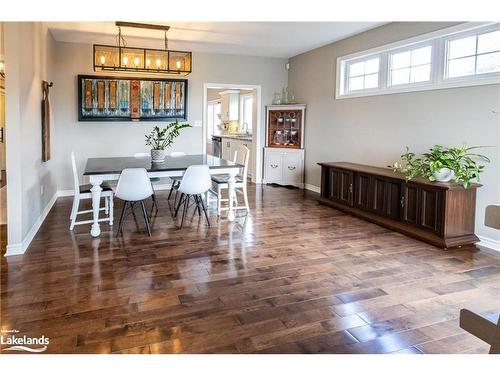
(232, 115)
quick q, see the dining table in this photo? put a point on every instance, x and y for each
(103, 169)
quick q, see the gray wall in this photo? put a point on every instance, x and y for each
(96, 139)
(375, 130)
(30, 58)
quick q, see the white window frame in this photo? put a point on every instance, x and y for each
(439, 42)
(361, 59)
(410, 48)
(482, 76)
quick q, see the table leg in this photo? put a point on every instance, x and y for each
(96, 200)
(232, 192)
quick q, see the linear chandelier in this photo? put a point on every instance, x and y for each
(134, 59)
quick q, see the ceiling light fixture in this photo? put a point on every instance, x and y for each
(134, 59)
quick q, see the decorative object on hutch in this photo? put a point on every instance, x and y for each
(284, 151)
(131, 99)
(442, 214)
(135, 59)
(46, 120)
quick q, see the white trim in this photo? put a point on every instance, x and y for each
(438, 80)
(490, 243)
(20, 248)
(314, 188)
(257, 136)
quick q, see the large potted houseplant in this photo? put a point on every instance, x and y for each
(443, 164)
(160, 139)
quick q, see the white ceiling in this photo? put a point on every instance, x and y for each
(273, 39)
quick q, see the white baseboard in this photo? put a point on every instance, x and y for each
(314, 188)
(489, 243)
(20, 248)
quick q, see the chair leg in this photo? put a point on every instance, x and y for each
(179, 205)
(146, 219)
(106, 205)
(155, 204)
(74, 212)
(73, 207)
(245, 197)
(111, 209)
(204, 210)
(171, 189)
(218, 200)
(186, 205)
(197, 201)
(122, 217)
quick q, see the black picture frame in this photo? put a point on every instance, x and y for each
(82, 117)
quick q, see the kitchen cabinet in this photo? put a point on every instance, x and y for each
(442, 214)
(284, 166)
(229, 105)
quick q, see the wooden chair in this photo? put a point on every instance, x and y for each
(83, 192)
(220, 182)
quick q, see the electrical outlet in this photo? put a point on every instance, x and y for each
(197, 124)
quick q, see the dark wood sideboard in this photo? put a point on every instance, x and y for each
(442, 214)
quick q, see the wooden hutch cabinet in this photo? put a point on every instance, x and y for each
(442, 214)
(284, 151)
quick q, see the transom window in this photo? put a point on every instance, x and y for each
(364, 74)
(467, 54)
(411, 66)
(476, 54)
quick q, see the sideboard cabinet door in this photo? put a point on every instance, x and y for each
(342, 186)
(363, 191)
(431, 202)
(393, 195)
(410, 203)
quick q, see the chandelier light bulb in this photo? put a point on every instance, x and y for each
(158, 63)
(148, 62)
(103, 59)
(125, 60)
(178, 64)
(137, 61)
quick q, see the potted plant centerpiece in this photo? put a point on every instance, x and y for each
(443, 164)
(160, 139)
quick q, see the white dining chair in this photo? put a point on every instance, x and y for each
(140, 155)
(134, 186)
(195, 182)
(220, 182)
(83, 192)
(176, 180)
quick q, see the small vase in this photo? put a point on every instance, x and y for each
(444, 175)
(158, 156)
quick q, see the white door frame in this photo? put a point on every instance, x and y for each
(257, 134)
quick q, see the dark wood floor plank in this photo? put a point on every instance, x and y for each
(294, 277)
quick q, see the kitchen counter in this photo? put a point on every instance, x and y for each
(240, 137)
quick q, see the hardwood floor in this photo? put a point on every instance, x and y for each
(294, 277)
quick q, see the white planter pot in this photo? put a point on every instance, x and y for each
(444, 175)
(158, 156)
